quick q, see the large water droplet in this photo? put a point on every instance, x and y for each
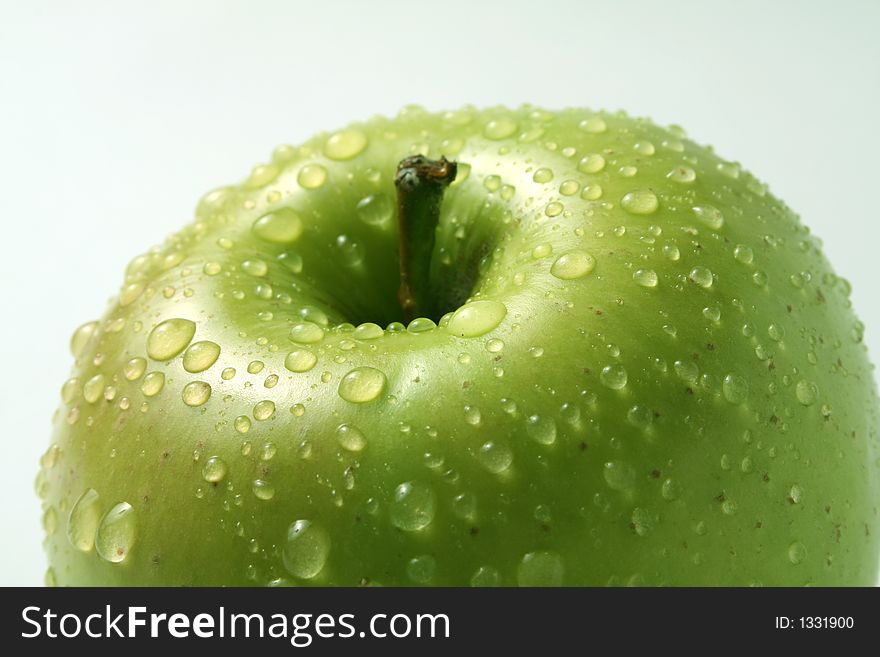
(280, 227)
(645, 277)
(499, 128)
(702, 276)
(541, 429)
(709, 216)
(641, 201)
(306, 549)
(591, 163)
(542, 568)
(345, 144)
(264, 409)
(153, 383)
(573, 265)
(619, 475)
(300, 360)
(797, 552)
(81, 337)
(311, 176)
(116, 533)
(362, 384)
(734, 388)
(306, 333)
(83, 521)
(806, 392)
(196, 393)
(199, 356)
(413, 506)
(134, 368)
(169, 338)
(476, 318)
(593, 124)
(496, 457)
(375, 210)
(613, 376)
(214, 470)
(350, 437)
(421, 569)
(94, 388)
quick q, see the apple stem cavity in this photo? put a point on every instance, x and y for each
(420, 183)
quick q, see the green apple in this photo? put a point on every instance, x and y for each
(615, 358)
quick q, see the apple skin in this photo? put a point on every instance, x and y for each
(739, 448)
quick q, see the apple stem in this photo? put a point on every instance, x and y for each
(420, 184)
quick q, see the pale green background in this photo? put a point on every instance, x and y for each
(115, 117)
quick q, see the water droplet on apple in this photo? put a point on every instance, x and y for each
(643, 521)
(734, 388)
(591, 192)
(81, 338)
(214, 470)
(683, 175)
(305, 550)
(645, 277)
(593, 125)
(670, 490)
(640, 202)
(797, 552)
(115, 535)
(619, 475)
(279, 227)
(709, 216)
(93, 388)
(242, 424)
(591, 163)
(264, 409)
(199, 356)
(613, 376)
(375, 210)
(543, 568)
(672, 252)
(153, 383)
(476, 318)
(169, 338)
(420, 325)
(413, 506)
(495, 457)
(776, 332)
(543, 175)
(350, 437)
(573, 265)
(806, 392)
(421, 569)
(499, 128)
(83, 521)
(569, 187)
(263, 490)
(306, 332)
(311, 176)
(351, 252)
(485, 576)
(345, 144)
(134, 368)
(362, 385)
(702, 276)
(554, 209)
(196, 393)
(255, 267)
(368, 331)
(300, 360)
(541, 429)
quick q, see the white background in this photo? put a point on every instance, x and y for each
(116, 117)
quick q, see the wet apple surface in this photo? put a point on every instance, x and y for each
(631, 365)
